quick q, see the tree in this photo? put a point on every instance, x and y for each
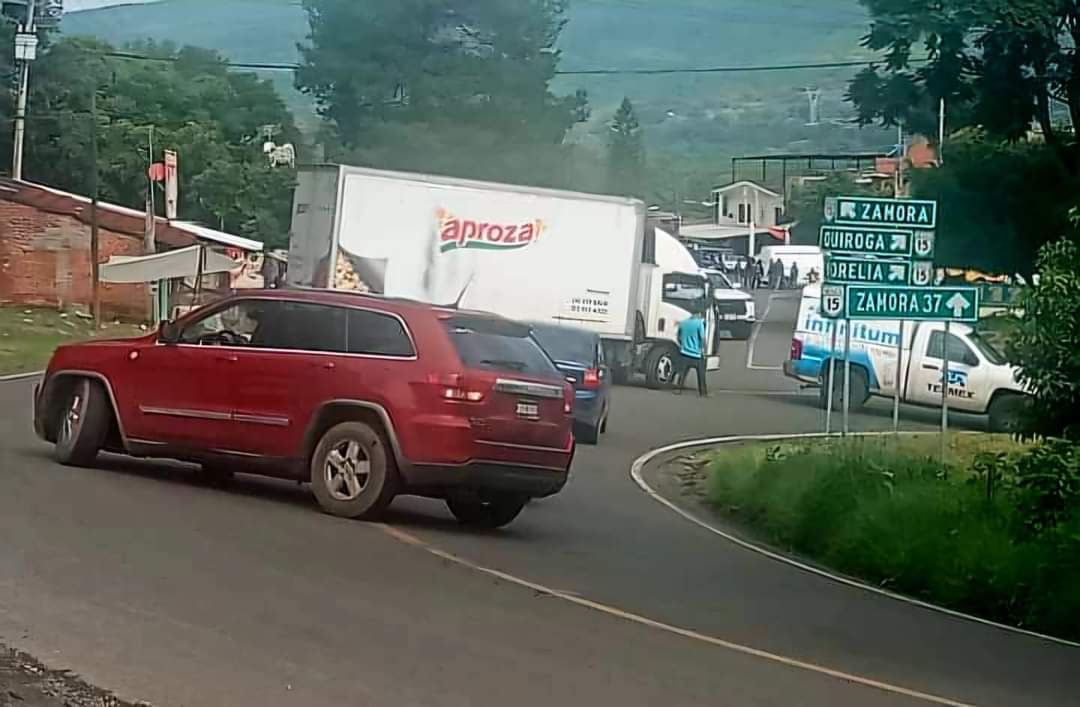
(1000, 65)
(1048, 343)
(456, 86)
(1000, 202)
(209, 115)
(626, 152)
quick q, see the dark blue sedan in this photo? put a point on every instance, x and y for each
(580, 356)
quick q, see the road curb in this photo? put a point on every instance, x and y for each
(20, 376)
(641, 462)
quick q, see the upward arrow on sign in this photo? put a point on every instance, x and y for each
(958, 304)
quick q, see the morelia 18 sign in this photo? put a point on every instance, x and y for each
(843, 270)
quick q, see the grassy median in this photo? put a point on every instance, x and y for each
(28, 336)
(888, 511)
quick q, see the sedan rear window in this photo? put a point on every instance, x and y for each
(566, 344)
(497, 345)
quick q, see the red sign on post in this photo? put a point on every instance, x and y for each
(171, 184)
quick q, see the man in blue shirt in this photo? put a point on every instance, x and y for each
(691, 336)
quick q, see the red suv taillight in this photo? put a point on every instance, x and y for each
(591, 379)
(455, 387)
(796, 350)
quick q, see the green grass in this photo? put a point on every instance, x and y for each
(888, 511)
(28, 336)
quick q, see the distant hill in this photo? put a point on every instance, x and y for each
(691, 118)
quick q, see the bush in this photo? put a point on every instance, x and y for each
(998, 538)
(1047, 345)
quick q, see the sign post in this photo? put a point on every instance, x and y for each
(831, 383)
(879, 266)
(945, 398)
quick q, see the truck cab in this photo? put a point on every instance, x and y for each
(671, 288)
(980, 380)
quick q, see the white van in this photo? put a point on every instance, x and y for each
(981, 381)
(809, 258)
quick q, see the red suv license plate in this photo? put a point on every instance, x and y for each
(528, 411)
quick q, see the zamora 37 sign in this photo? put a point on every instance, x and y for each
(957, 304)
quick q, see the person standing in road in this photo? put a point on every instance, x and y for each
(793, 280)
(759, 275)
(691, 336)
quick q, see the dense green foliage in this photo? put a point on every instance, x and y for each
(806, 204)
(210, 115)
(1000, 201)
(999, 65)
(890, 513)
(694, 123)
(1047, 347)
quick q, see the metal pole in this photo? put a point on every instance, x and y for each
(945, 397)
(95, 269)
(24, 93)
(847, 376)
(831, 380)
(899, 380)
(941, 131)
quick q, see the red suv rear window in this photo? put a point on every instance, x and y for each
(499, 345)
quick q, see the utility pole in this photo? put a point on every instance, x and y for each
(941, 132)
(95, 269)
(26, 45)
(813, 95)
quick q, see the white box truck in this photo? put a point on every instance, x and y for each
(528, 254)
(980, 379)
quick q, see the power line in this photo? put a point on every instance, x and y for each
(801, 66)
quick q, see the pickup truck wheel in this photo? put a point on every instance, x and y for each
(351, 472)
(860, 388)
(84, 417)
(487, 513)
(1006, 412)
(660, 367)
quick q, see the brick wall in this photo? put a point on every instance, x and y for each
(45, 260)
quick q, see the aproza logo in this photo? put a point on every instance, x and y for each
(457, 233)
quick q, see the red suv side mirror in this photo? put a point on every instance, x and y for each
(169, 333)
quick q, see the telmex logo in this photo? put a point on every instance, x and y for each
(456, 233)
(957, 378)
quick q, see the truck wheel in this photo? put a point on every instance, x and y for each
(741, 331)
(660, 367)
(860, 388)
(1006, 413)
(82, 424)
(351, 474)
(488, 513)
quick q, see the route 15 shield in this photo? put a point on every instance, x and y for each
(922, 273)
(832, 301)
(924, 244)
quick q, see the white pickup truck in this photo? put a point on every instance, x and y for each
(980, 380)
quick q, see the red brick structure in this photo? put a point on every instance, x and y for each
(45, 249)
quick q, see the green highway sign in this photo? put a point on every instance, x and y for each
(955, 304)
(863, 241)
(886, 213)
(840, 270)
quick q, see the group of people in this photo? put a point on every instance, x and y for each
(752, 275)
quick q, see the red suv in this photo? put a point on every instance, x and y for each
(363, 397)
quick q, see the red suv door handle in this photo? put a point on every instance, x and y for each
(229, 359)
(329, 366)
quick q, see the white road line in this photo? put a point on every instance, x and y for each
(753, 339)
(636, 475)
(578, 600)
(20, 376)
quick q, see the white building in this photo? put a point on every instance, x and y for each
(740, 206)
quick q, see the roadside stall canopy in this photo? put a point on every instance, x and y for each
(175, 264)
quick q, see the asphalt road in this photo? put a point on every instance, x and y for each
(147, 584)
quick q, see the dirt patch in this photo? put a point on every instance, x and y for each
(25, 682)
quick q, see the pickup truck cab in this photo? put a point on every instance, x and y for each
(980, 380)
